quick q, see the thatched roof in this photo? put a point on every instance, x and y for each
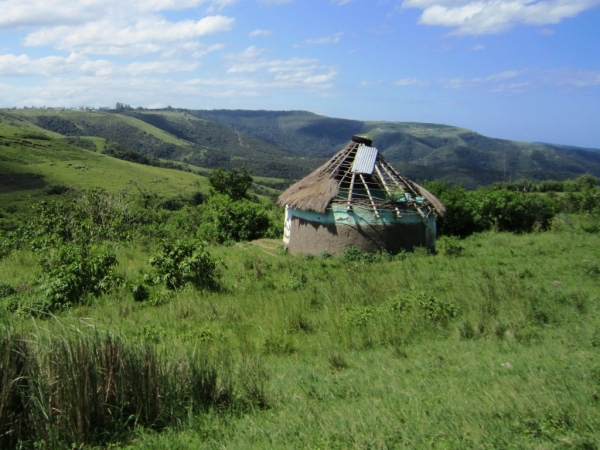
(344, 180)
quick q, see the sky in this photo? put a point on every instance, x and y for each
(515, 69)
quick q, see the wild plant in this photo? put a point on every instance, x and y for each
(72, 273)
(180, 263)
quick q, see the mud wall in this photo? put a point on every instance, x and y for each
(306, 236)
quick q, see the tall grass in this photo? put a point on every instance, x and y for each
(88, 389)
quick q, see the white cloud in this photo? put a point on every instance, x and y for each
(477, 48)
(341, 2)
(514, 81)
(219, 5)
(23, 65)
(479, 82)
(282, 73)
(275, 2)
(410, 82)
(570, 79)
(76, 64)
(514, 87)
(494, 16)
(547, 31)
(260, 33)
(18, 14)
(321, 41)
(371, 83)
(160, 67)
(146, 36)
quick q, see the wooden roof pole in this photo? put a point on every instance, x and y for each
(370, 196)
(343, 158)
(408, 184)
(349, 205)
(387, 189)
(387, 171)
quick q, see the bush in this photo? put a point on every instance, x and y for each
(186, 262)
(6, 290)
(223, 219)
(469, 212)
(72, 273)
(56, 189)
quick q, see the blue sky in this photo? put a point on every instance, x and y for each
(516, 69)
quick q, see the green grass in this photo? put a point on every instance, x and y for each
(157, 132)
(102, 117)
(352, 355)
(28, 165)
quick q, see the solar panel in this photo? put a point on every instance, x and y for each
(364, 162)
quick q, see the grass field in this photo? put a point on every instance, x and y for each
(492, 343)
(30, 165)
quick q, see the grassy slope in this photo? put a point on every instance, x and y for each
(182, 137)
(102, 118)
(28, 165)
(343, 370)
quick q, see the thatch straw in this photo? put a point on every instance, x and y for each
(316, 191)
(432, 199)
(313, 192)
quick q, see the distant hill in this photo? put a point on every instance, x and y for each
(288, 144)
(420, 150)
(176, 136)
(36, 164)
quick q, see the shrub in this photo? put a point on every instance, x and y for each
(140, 292)
(354, 255)
(450, 246)
(435, 309)
(223, 219)
(185, 262)
(469, 212)
(72, 273)
(425, 305)
(56, 189)
(6, 290)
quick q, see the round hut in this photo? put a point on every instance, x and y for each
(358, 199)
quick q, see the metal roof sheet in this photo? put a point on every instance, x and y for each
(364, 162)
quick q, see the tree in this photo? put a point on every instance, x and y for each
(234, 182)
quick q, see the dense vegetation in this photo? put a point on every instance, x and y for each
(157, 327)
(515, 207)
(177, 137)
(288, 144)
(419, 150)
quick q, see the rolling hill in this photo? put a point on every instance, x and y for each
(420, 150)
(175, 136)
(286, 145)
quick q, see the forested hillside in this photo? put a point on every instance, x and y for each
(174, 136)
(420, 150)
(289, 144)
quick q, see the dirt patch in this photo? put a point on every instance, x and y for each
(270, 244)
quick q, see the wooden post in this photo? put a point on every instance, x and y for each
(349, 205)
(370, 196)
(387, 189)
